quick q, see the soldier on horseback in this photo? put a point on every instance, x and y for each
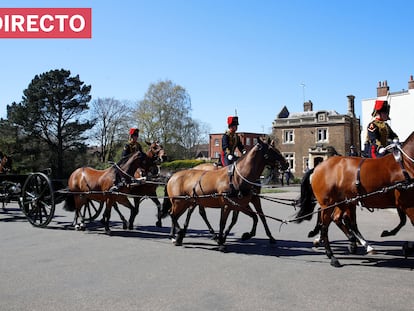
(230, 141)
(379, 133)
(133, 145)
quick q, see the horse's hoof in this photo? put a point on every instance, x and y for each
(316, 243)
(335, 262)
(125, 226)
(108, 232)
(352, 249)
(222, 248)
(246, 236)
(158, 224)
(272, 241)
(178, 243)
(407, 249)
(385, 233)
(77, 227)
(371, 250)
(214, 237)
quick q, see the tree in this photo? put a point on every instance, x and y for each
(50, 112)
(164, 114)
(111, 125)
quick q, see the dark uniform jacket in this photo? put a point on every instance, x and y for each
(229, 143)
(379, 134)
(131, 147)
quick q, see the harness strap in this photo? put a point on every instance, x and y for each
(358, 176)
(404, 171)
(199, 184)
(84, 177)
(230, 173)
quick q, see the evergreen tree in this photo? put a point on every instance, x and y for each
(50, 113)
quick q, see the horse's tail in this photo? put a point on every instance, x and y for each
(69, 203)
(166, 204)
(306, 201)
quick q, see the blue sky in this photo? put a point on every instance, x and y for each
(244, 55)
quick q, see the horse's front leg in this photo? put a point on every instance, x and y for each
(225, 210)
(202, 212)
(160, 214)
(182, 232)
(134, 212)
(124, 221)
(107, 215)
(403, 221)
(258, 207)
(234, 219)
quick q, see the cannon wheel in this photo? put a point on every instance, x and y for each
(37, 200)
(91, 210)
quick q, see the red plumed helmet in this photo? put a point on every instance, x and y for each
(232, 121)
(381, 106)
(133, 131)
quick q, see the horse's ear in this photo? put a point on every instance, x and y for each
(148, 143)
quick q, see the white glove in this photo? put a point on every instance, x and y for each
(381, 150)
(230, 157)
(244, 151)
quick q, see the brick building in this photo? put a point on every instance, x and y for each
(304, 136)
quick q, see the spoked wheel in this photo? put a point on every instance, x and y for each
(91, 210)
(37, 200)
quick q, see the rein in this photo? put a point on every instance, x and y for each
(245, 179)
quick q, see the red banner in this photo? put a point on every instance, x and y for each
(46, 23)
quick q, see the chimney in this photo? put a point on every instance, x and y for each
(308, 106)
(351, 105)
(411, 83)
(382, 89)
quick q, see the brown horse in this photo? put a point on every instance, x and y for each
(341, 218)
(90, 184)
(255, 200)
(139, 192)
(339, 179)
(228, 188)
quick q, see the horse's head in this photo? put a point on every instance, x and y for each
(272, 155)
(155, 152)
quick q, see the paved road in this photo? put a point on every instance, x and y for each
(58, 268)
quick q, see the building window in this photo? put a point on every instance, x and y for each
(322, 135)
(217, 154)
(290, 158)
(322, 117)
(254, 141)
(216, 142)
(288, 137)
(248, 141)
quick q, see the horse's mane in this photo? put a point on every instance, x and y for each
(409, 139)
(125, 159)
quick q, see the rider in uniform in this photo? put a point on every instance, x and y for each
(230, 141)
(133, 145)
(379, 133)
